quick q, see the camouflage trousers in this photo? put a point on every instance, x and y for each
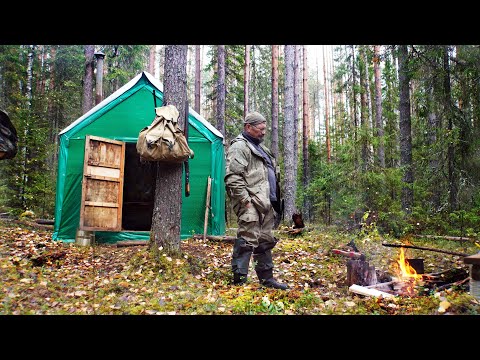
(253, 227)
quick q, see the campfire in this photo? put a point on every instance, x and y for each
(407, 277)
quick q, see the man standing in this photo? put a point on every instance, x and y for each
(252, 184)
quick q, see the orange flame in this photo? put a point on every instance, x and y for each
(406, 271)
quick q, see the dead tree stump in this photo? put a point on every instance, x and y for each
(361, 273)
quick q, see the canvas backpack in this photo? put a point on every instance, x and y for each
(8, 137)
(163, 140)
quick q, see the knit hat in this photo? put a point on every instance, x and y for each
(254, 118)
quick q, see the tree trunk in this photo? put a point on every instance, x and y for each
(452, 183)
(289, 183)
(405, 130)
(221, 91)
(246, 80)
(364, 110)
(378, 107)
(52, 110)
(198, 75)
(359, 272)
(433, 127)
(87, 103)
(327, 114)
(151, 59)
(26, 133)
(354, 95)
(275, 101)
(327, 136)
(305, 123)
(166, 219)
(296, 101)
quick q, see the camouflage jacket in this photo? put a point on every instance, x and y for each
(246, 176)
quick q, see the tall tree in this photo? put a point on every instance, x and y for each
(221, 92)
(289, 183)
(328, 199)
(389, 108)
(275, 101)
(296, 103)
(198, 78)
(166, 219)
(364, 113)
(378, 107)
(354, 95)
(87, 103)
(151, 59)
(26, 153)
(305, 127)
(246, 80)
(253, 74)
(327, 114)
(405, 129)
(448, 111)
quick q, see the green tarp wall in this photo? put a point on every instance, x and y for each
(121, 116)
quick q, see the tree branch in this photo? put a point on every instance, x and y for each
(425, 248)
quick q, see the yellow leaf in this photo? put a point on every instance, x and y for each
(444, 305)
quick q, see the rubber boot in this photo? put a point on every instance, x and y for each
(267, 280)
(262, 256)
(241, 255)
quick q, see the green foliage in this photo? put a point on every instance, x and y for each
(337, 189)
(234, 63)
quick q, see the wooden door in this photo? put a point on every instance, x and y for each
(102, 185)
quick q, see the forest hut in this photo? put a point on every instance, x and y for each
(112, 126)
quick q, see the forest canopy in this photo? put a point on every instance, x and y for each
(384, 132)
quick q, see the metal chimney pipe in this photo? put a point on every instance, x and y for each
(99, 77)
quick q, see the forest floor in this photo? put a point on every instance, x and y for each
(40, 276)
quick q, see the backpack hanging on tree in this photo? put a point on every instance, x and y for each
(163, 140)
(8, 137)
